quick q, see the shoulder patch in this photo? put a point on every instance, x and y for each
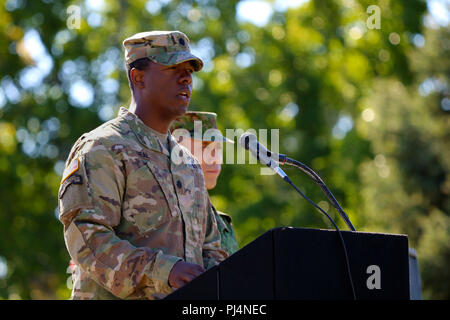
(71, 169)
(72, 179)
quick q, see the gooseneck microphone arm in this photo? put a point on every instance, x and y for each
(272, 160)
(283, 159)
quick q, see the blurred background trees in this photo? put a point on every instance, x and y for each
(368, 109)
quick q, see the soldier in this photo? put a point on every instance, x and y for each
(210, 151)
(136, 224)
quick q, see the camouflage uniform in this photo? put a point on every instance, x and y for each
(208, 121)
(130, 213)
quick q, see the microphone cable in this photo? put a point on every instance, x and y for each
(286, 160)
(286, 178)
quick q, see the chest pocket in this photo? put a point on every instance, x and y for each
(151, 201)
(189, 182)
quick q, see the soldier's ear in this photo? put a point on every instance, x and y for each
(137, 78)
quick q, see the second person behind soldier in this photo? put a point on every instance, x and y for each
(208, 151)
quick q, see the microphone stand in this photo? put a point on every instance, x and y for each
(283, 159)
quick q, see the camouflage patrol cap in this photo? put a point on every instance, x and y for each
(208, 121)
(163, 47)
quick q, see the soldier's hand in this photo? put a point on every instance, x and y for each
(183, 272)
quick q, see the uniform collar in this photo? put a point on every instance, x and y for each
(225, 216)
(144, 134)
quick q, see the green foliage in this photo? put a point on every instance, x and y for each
(365, 108)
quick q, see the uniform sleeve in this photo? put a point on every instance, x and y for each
(90, 200)
(228, 238)
(212, 252)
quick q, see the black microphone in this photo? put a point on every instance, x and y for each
(249, 142)
(249, 138)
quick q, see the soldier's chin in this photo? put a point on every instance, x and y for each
(180, 110)
(210, 183)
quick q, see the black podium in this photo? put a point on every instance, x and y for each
(307, 264)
